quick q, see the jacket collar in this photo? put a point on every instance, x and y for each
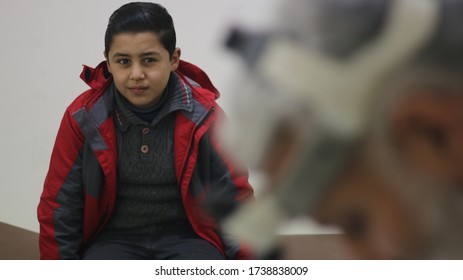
(96, 77)
(192, 83)
(196, 77)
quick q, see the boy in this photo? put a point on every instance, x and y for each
(136, 159)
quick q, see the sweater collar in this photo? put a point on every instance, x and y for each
(178, 96)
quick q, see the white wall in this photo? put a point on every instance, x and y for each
(43, 45)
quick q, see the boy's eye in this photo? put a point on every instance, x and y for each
(149, 60)
(123, 61)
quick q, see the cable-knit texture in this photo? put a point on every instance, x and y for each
(148, 194)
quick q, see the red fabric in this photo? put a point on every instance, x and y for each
(195, 73)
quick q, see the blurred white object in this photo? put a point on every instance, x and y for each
(289, 77)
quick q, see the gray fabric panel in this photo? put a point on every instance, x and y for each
(198, 113)
(92, 173)
(68, 217)
(102, 109)
(90, 130)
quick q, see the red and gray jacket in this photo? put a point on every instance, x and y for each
(80, 187)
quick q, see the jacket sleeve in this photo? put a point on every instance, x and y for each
(229, 188)
(60, 209)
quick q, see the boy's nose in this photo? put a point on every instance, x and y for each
(137, 73)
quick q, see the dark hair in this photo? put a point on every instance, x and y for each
(141, 17)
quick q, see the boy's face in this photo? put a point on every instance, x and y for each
(141, 67)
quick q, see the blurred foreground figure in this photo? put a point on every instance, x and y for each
(357, 120)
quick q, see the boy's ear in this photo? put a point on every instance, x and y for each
(427, 128)
(175, 59)
(107, 63)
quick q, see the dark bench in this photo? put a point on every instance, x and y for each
(18, 244)
(21, 244)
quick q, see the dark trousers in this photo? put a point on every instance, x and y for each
(178, 242)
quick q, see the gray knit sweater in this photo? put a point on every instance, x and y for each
(148, 194)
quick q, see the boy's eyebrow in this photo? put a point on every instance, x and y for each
(120, 55)
(150, 53)
(143, 54)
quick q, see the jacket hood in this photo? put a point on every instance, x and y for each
(196, 74)
(97, 77)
